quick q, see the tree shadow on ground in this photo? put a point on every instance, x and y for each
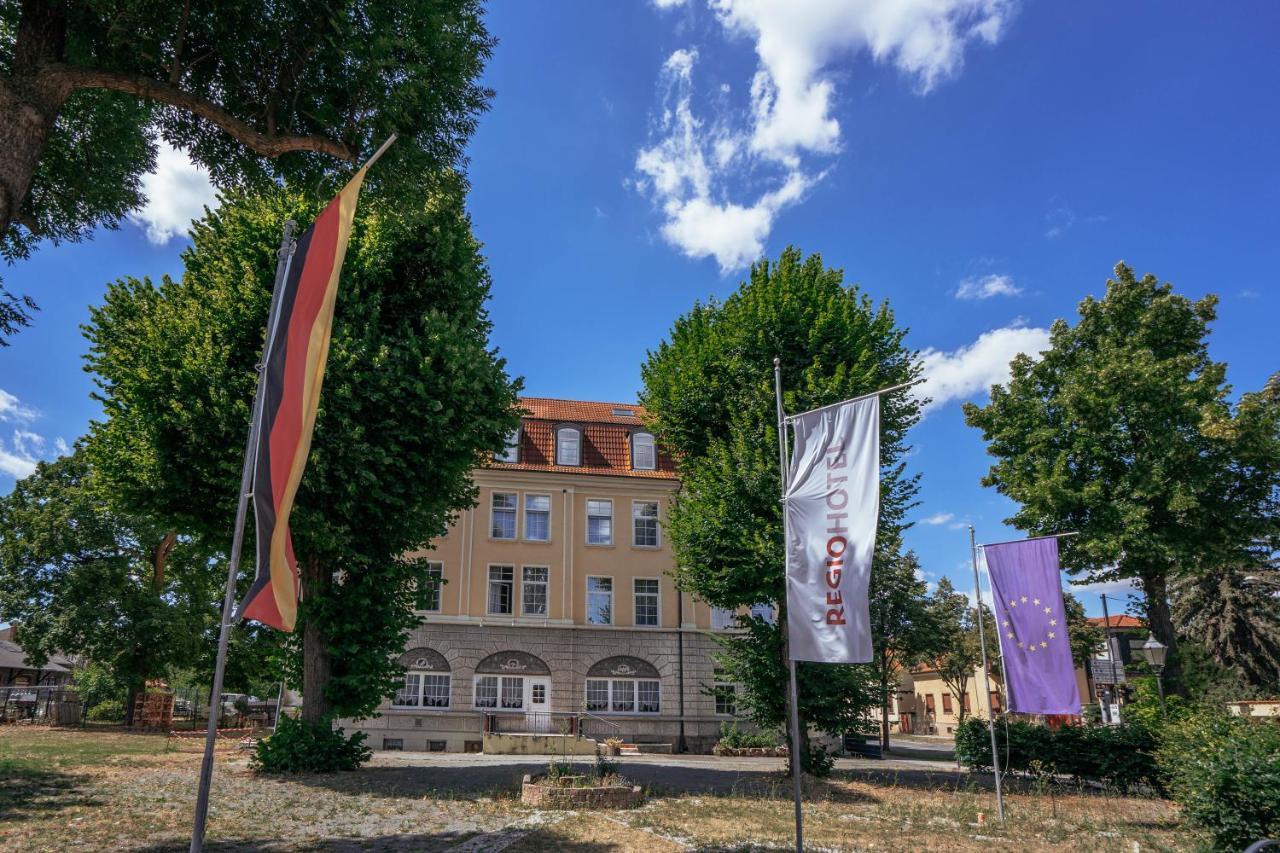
(427, 842)
(25, 792)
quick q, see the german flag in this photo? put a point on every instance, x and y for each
(293, 372)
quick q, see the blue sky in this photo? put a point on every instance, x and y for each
(981, 164)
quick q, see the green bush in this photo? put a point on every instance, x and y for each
(301, 747)
(733, 737)
(815, 761)
(1224, 771)
(108, 711)
(1120, 757)
(96, 683)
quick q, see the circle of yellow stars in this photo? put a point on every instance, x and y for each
(1033, 645)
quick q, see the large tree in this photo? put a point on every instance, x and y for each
(81, 577)
(955, 649)
(902, 626)
(1122, 430)
(254, 91)
(709, 391)
(414, 398)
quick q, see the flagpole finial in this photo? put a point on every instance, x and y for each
(777, 362)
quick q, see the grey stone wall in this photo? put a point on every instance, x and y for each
(569, 653)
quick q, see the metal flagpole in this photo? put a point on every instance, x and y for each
(283, 259)
(793, 692)
(986, 674)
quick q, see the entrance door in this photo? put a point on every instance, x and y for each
(538, 700)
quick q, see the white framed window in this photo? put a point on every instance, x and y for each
(502, 515)
(533, 591)
(644, 453)
(644, 524)
(501, 589)
(600, 600)
(423, 689)
(512, 692)
(410, 693)
(599, 522)
(486, 691)
(597, 694)
(623, 696)
(568, 446)
(537, 518)
(510, 449)
(721, 618)
(428, 592)
(726, 694)
(646, 592)
(435, 690)
(765, 612)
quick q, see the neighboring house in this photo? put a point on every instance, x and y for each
(1111, 664)
(554, 598)
(925, 705)
(1255, 708)
(16, 671)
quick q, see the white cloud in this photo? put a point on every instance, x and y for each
(668, 4)
(12, 409)
(1111, 589)
(720, 183)
(177, 192)
(974, 368)
(938, 518)
(987, 286)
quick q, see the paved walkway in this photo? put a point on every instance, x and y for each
(412, 772)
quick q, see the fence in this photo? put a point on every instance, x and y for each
(54, 705)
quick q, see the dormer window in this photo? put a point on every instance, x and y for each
(511, 450)
(644, 456)
(568, 446)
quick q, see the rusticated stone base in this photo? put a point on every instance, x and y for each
(609, 797)
(751, 751)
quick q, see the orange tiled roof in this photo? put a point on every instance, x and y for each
(606, 438)
(1120, 621)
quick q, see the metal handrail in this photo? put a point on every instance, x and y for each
(610, 723)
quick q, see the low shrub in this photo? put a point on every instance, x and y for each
(107, 711)
(1120, 757)
(815, 760)
(1224, 771)
(301, 747)
(733, 737)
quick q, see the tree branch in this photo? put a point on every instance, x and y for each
(70, 78)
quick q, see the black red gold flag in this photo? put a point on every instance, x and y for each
(293, 372)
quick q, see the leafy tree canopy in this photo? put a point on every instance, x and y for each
(1122, 430)
(709, 390)
(414, 398)
(255, 92)
(82, 578)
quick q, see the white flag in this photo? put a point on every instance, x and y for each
(832, 508)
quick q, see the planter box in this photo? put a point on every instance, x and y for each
(607, 797)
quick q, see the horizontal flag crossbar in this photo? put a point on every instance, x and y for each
(790, 418)
(1030, 539)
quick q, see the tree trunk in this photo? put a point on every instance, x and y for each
(1155, 593)
(28, 104)
(317, 665)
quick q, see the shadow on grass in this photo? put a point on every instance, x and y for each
(434, 841)
(26, 791)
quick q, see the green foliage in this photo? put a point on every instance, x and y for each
(298, 746)
(106, 711)
(953, 648)
(814, 760)
(733, 737)
(1085, 636)
(119, 588)
(1123, 430)
(604, 767)
(709, 391)
(902, 626)
(96, 683)
(414, 398)
(1120, 757)
(257, 93)
(1231, 615)
(1224, 772)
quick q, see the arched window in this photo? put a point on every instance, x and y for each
(623, 685)
(427, 682)
(568, 446)
(644, 456)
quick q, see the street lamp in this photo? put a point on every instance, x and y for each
(1154, 651)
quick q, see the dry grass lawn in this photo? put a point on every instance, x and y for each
(110, 790)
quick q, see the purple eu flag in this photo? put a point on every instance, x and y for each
(1032, 626)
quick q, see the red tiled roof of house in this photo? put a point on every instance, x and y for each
(1119, 621)
(606, 438)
